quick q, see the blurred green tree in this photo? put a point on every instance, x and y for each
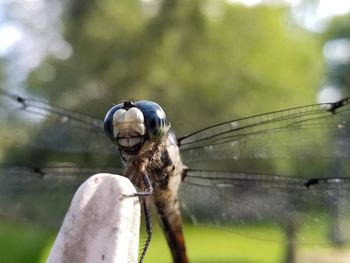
(217, 60)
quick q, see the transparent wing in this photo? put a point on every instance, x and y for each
(35, 132)
(316, 130)
(270, 207)
(41, 195)
(36, 123)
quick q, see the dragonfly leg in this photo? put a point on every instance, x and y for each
(148, 188)
(149, 229)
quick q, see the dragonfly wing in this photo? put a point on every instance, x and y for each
(268, 207)
(40, 195)
(316, 130)
(37, 123)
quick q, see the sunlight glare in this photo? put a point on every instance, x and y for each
(328, 8)
(329, 94)
(337, 51)
(9, 35)
(246, 2)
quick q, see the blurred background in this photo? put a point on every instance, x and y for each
(203, 61)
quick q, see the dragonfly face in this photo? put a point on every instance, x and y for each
(237, 183)
(130, 124)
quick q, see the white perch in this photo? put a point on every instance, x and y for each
(102, 225)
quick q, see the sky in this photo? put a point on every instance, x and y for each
(29, 31)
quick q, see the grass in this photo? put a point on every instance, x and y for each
(206, 245)
(29, 244)
(21, 243)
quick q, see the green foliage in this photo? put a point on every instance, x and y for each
(216, 60)
(338, 28)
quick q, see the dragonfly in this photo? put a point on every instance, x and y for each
(228, 175)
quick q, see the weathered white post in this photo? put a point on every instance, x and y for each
(102, 225)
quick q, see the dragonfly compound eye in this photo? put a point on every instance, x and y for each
(108, 122)
(155, 119)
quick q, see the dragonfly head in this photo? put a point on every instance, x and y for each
(130, 124)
